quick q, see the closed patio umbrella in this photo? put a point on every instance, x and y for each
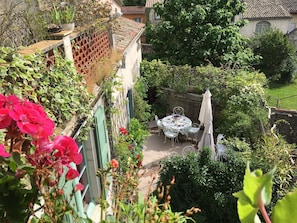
(205, 118)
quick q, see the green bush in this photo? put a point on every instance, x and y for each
(206, 184)
(278, 60)
(142, 109)
(128, 148)
(245, 115)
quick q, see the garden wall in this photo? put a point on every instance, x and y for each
(286, 121)
(189, 101)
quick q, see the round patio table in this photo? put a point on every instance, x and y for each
(177, 123)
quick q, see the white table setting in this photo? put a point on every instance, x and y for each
(177, 123)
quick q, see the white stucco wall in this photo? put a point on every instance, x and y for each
(127, 76)
(293, 22)
(249, 29)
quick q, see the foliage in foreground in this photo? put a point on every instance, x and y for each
(257, 193)
(204, 183)
(35, 166)
(59, 88)
(128, 205)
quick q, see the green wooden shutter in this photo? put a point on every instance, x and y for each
(102, 139)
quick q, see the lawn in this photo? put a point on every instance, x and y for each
(282, 96)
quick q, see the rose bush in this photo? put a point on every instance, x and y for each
(32, 163)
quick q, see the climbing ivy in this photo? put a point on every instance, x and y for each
(57, 87)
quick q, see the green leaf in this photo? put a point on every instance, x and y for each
(256, 191)
(285, 209)
(258, 187)
(246, 212)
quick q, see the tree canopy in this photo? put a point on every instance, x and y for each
(197, 32)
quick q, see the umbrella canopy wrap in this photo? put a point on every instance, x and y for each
(205, 118)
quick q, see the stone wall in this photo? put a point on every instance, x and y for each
(189, 101)
(286, 121)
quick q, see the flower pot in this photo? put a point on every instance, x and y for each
(68, 26)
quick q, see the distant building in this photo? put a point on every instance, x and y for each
(262, 14)
(151, 15)
(136, 13)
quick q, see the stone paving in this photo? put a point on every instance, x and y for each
(154, 150)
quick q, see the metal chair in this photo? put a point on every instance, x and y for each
(189, 149)
(172, 135)
(194, 131)
(159, 124)
(178, 110)
(220, 148)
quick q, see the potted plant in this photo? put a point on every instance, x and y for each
(63, 15)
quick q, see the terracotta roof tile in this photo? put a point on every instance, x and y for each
(126, 30)
(290, 5)
(264, 9)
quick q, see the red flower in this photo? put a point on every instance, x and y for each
(114, 163)
(71, 174)
(6, 103)
(3, 153)
(9, 101)
(5, 119)
(42, 155)
(123, 131)
(32, 119)
(79, 187)
(67, 150)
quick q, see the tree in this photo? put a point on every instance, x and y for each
(198, 32)
(278, 60)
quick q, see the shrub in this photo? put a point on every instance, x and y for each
(128, 147)
(141, 107)
(278, 55)
(206, 184)
(244, 115)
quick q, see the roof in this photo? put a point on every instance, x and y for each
(290, 5)
(126, 31)
(259, 9)
(150, 3)
(133, 10)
